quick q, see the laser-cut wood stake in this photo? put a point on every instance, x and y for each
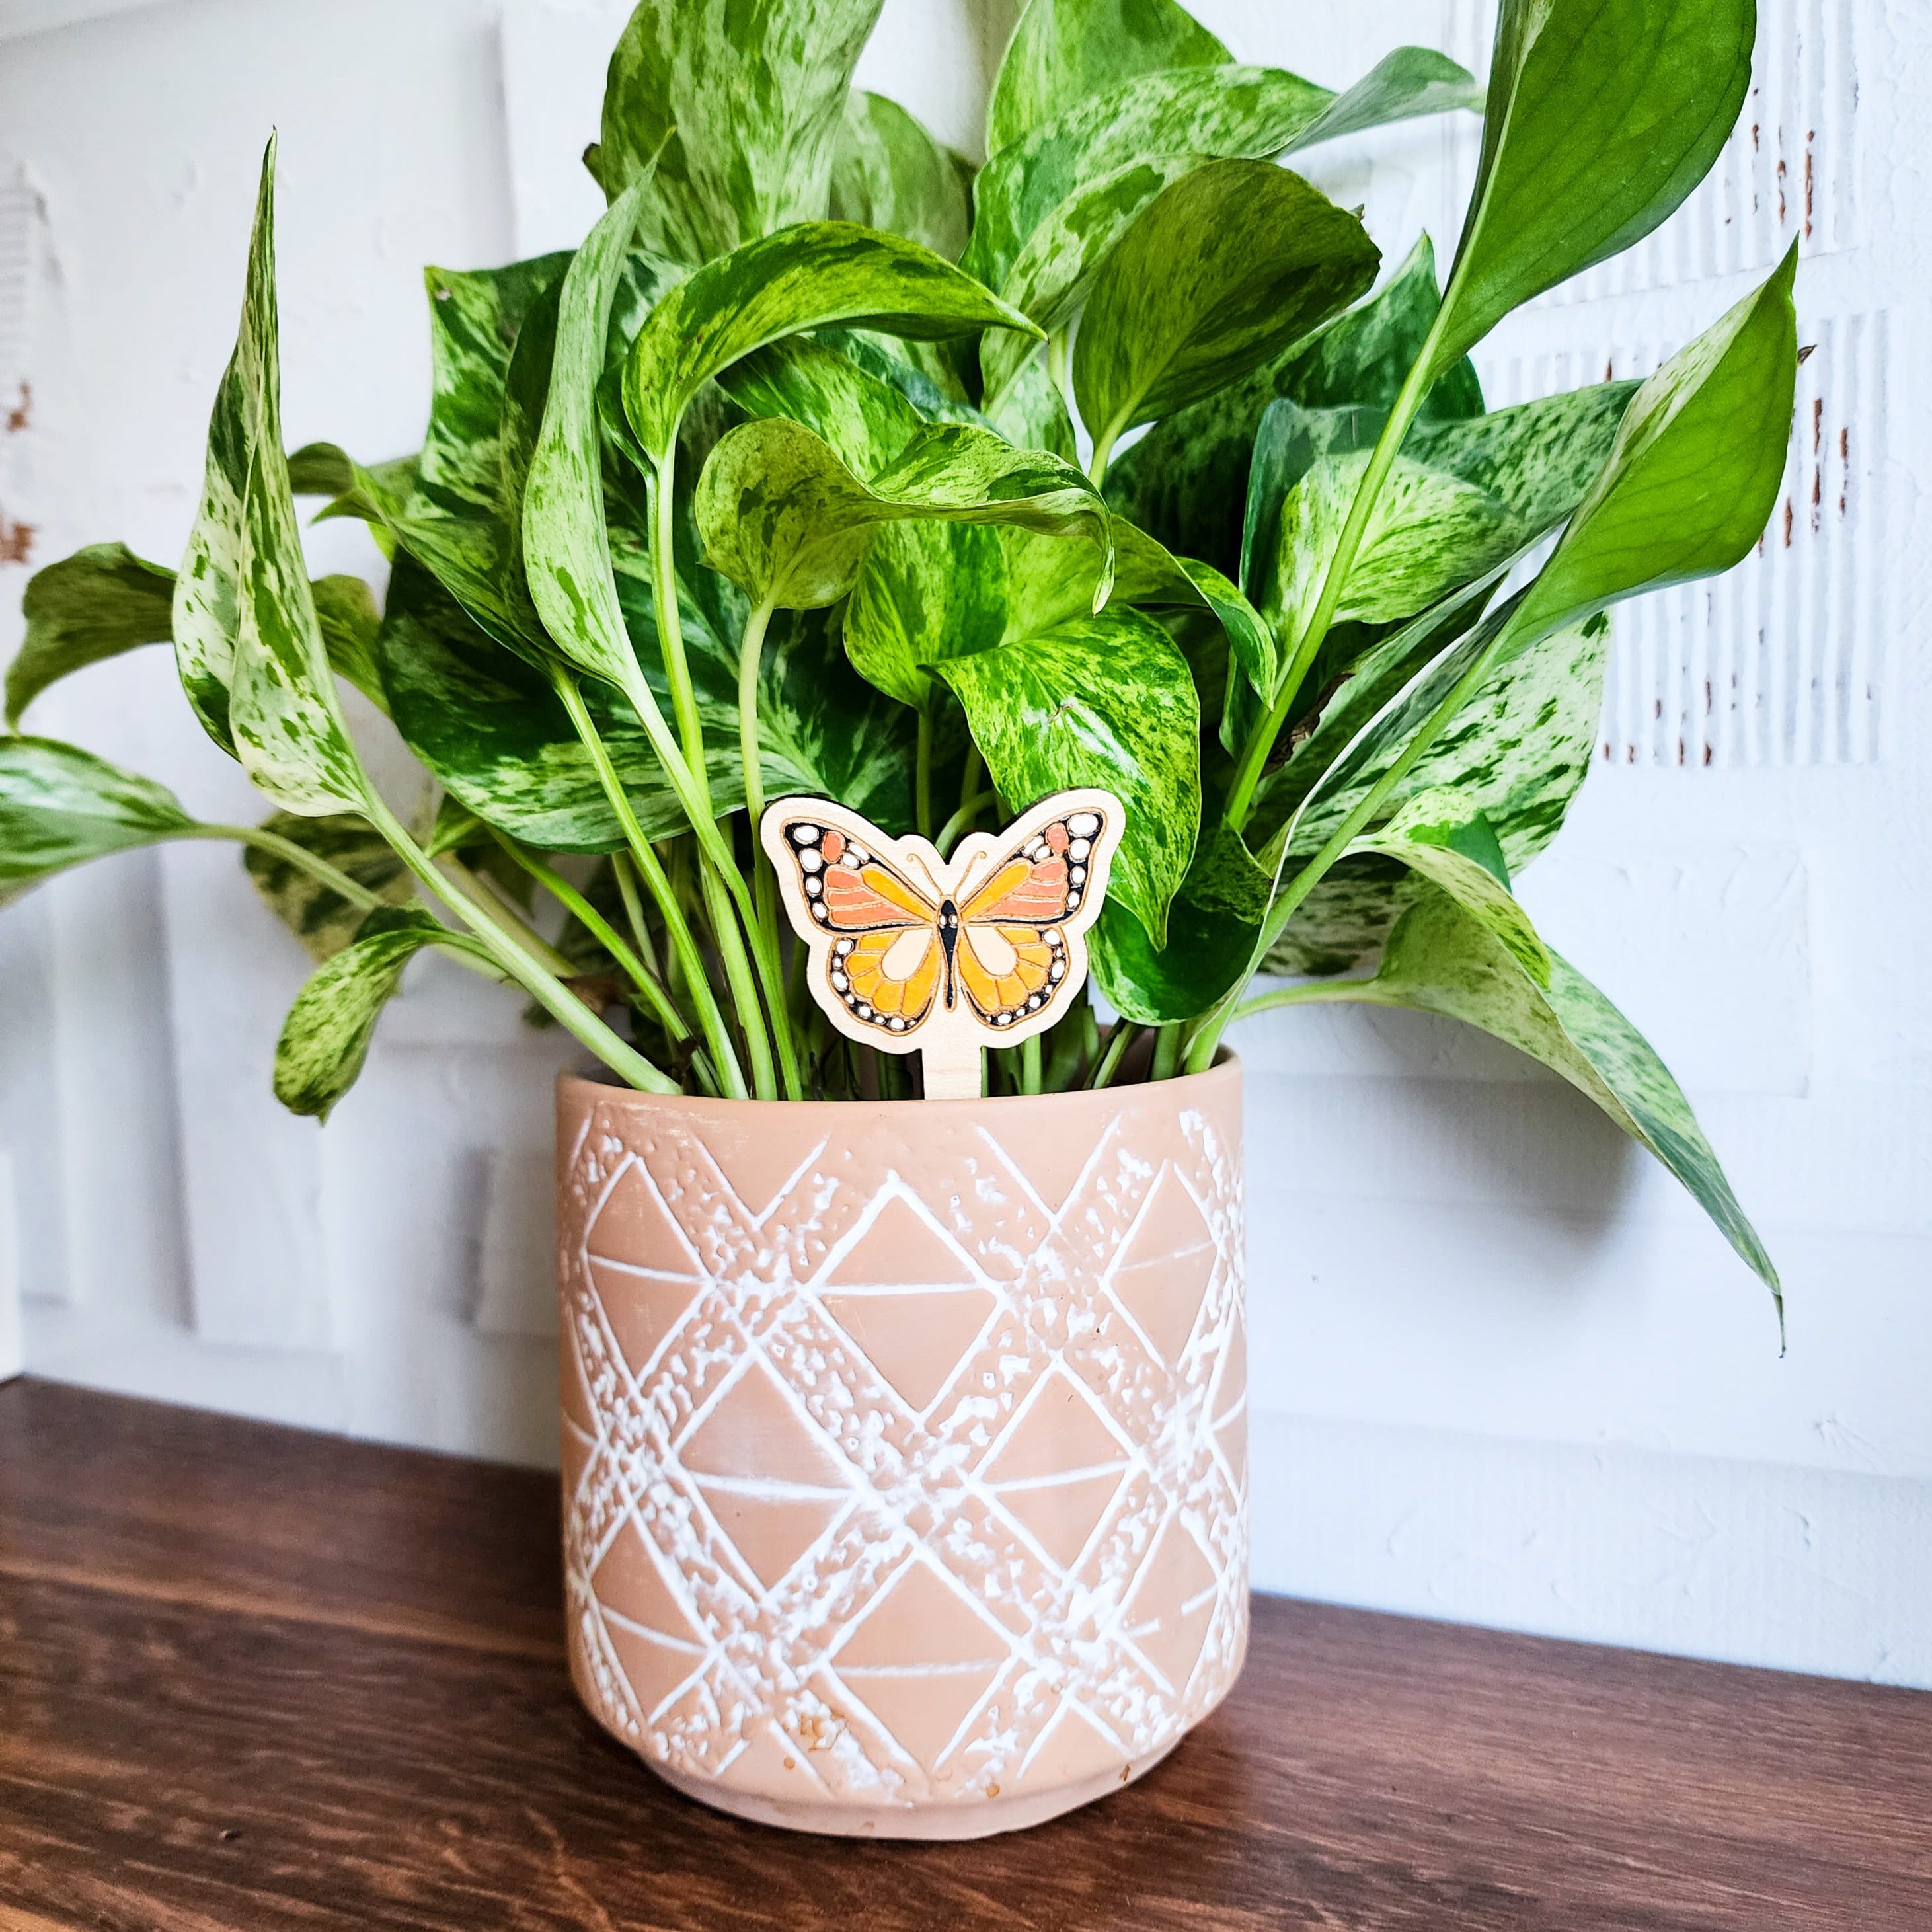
(915, 953)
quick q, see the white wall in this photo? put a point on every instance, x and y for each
(1503, 1371)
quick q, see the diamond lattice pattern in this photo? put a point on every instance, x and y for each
(890, 1482)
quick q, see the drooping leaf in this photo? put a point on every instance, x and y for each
(1235, 261)
(1101, 701)
(806, 277)
(325, 1038)
(1149, 575)
(1442, 960)
(1063, 50)
(90, 606)
(1435, 835)
(282, 710)
(1186, 480)
(1603, 115)
(865, 420)
(738, 103)
(60, 806)
(889, 173)
(785, 520)
(317, 914)
(1047, 210)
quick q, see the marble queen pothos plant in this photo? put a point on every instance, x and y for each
(776, 485)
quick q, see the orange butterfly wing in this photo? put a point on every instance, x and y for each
(884, 965)
(1012, 954)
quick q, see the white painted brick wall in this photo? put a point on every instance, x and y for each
(1503, 1371)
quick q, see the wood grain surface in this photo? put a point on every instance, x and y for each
(252, 1679)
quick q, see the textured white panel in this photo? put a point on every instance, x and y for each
(1797, 1569)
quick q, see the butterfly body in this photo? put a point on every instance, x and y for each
(913, 952)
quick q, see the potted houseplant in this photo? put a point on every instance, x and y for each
(903, 1435)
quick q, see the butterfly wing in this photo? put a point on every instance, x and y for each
(881, 958)
(1013, 955)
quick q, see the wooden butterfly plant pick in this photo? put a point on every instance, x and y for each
(914, 953)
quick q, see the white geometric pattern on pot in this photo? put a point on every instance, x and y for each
(734, 1337)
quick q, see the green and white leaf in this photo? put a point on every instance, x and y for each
(89, 608)
(737, 103)
(60, 806)
(325, 1038)
(811, 276)
(889, 173)
(1063, 50)
(1235, 261)
(1100, 701)
(1186, 480)
(1442, 960)
(317, 914)
(345, 608)
(786, 521)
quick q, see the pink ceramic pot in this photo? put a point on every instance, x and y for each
(905, 1444)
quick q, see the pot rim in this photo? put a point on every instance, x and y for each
(601, 1087)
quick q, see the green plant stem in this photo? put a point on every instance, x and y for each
(569, 1012)
(1103, 452)
(1261, 744)
(1167, 1043)
(957, 826)
(567, 896)
(751, 658)
(1313, 994)
(731, 884)
(497, 904)
(1205, 1038)
(677, 927)
(319, 870)
(1117, 1043)
(1056, 362)
(972, 794)
(1030, 1065)
(764, 886)
(624, 874)
(922, 775)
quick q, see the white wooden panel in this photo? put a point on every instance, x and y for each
(12, 1336)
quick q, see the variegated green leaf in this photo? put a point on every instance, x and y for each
(1063, 50)
(1435, 836)
(809, 277)
(1440, 959)
(738, 103)
(1047, 211)
(1233, 262)
(1603, 115)
(345, 608)
(889, 173)
(1101, 701)
(282, 712)
(786, 521)
(567, 557)
(89, 607)
(1186, 480)
(926, 592)
(317, 914)
(493, 730)
(325, 1038)
(60, 806)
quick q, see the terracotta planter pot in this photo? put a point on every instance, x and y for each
(905, 1444)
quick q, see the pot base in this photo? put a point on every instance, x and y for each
(950, 1823)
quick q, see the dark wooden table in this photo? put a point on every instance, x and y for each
(252, 1679)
